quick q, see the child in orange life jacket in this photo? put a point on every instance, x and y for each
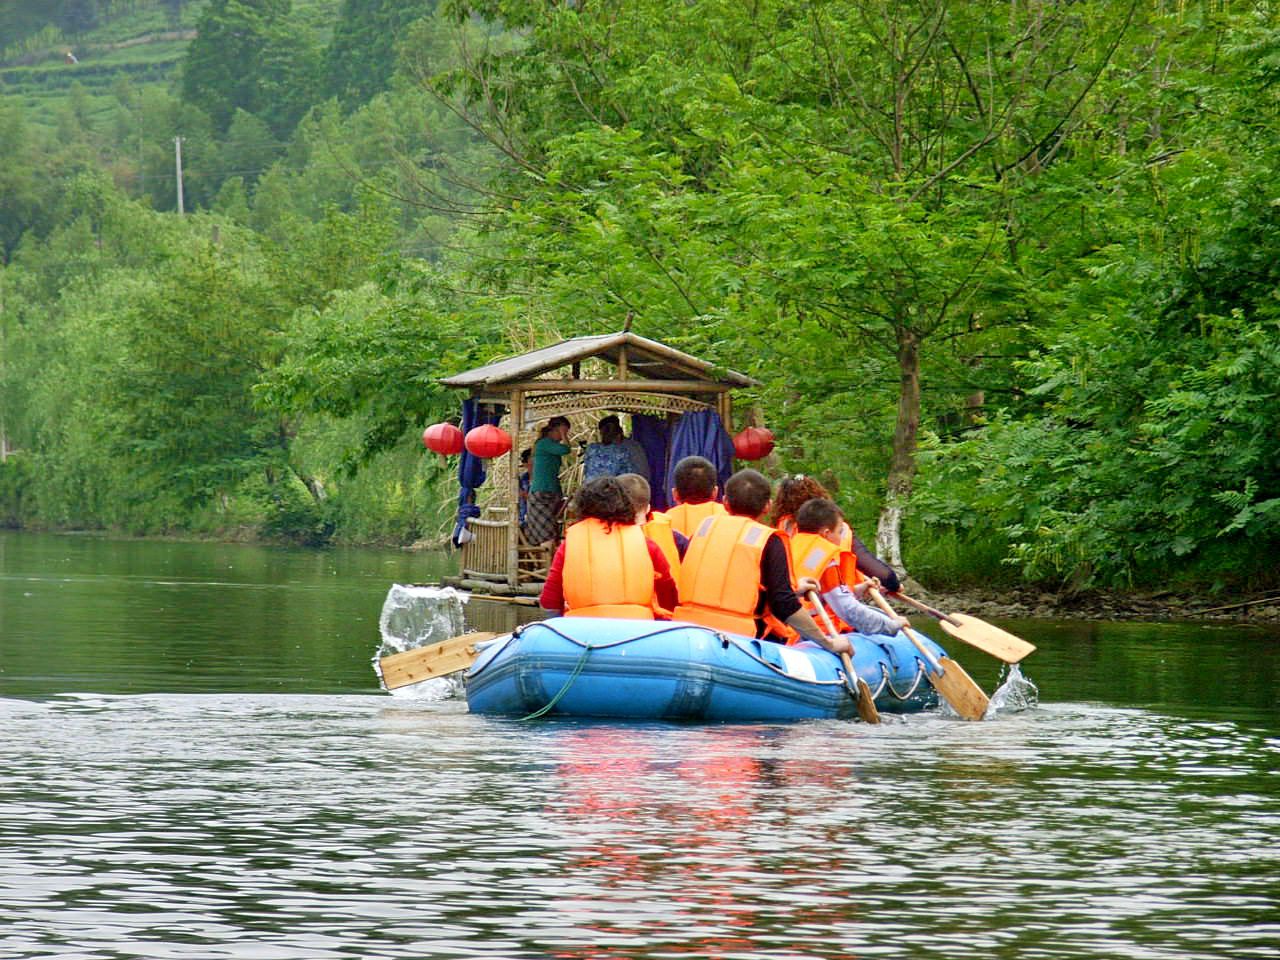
(606, 566)
(695, 494)
(793, 493)
(737, 574)
(656, 527)
(817, 543)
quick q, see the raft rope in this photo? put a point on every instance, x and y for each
(915, 684)
(573, 675)
(884, 680)
(581, 664)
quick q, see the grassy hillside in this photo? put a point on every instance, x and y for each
(139, 42)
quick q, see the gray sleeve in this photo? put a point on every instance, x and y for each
(862, 618)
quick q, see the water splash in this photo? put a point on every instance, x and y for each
(1015, 693)
(414, 616)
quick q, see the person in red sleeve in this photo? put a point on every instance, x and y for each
(606, 566)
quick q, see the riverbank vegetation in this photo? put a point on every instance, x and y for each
(1008, 272)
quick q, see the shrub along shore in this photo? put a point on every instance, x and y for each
(1031, 603)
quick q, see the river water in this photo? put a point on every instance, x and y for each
(196, 762)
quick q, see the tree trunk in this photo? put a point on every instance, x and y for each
(902, 467)
(314, 485)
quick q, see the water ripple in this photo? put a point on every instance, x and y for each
(346, 826)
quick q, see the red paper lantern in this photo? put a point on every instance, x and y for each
(442, 438)
(753, 443)
(487, 441)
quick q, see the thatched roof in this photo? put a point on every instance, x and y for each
(643, 359)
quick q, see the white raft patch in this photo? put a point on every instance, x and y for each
(797, 664)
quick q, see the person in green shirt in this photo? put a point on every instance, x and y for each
(546, 499)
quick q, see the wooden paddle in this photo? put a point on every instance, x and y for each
(977, 633)
(857, 686)
(949, 679)
(433, 660)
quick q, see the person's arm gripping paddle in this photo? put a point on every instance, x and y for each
(857, 686)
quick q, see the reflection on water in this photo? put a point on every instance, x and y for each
(346, 826)
(171, 787)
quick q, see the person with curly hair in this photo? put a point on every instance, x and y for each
(606, 566)
(793, 493)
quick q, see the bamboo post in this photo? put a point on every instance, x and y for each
(726, 412)
(513, 490)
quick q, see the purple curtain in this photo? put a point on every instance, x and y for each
(654, 434)
(700, 433)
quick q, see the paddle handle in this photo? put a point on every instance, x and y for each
(926, 609)
(850, 678)
(857, 686)
(822, 613)
(911, 634)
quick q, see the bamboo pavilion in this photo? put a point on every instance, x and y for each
(677, 403)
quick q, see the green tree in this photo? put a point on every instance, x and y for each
(846, 171)
(20, 196)
(21, 18)
(361, 56)
(1144, 450)
(77, 16)
(372, 356)
(249, 148)
(248, 55)
(173, 9)
(192, 349)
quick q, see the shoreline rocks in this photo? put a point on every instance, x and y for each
(1019, 603)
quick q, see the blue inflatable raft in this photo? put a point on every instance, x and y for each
(647, 670)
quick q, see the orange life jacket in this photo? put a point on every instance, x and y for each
(813, 555)
(607, 571)
(720, 576)
(658, 529)
(687, 517)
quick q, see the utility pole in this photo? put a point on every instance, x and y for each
(177, 156)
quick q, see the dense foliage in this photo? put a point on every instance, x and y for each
(1008, 271)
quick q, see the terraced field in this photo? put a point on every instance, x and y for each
(143, 46)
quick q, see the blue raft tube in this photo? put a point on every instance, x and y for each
(655, 670)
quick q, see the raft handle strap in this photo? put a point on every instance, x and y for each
(884, 681)
(915, 684)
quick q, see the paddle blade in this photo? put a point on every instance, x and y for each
(958, 689)
(987, 638)
(433, 660)
(861, 693)
(866, 703)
